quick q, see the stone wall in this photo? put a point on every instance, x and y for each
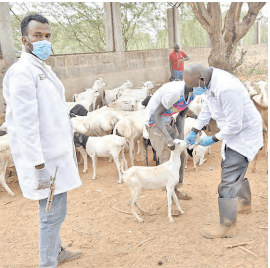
(79, 71)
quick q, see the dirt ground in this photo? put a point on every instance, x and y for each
(109, 238)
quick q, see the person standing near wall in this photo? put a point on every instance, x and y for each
(177, 58)
(41, 136)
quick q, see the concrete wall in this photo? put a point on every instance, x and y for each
(79, 71)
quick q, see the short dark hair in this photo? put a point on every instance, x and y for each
(26, 20)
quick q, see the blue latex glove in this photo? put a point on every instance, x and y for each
(206, 141)
(191, 137)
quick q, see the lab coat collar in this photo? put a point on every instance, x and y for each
(36, 61)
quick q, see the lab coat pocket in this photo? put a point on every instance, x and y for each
(55, 144)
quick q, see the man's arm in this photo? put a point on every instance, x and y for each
(184, 59)
(180, 123)
(171, 68)
(157, 116)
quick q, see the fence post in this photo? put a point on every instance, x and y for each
(257, 32)
(7, 47)
(173, 20)
(113, 26)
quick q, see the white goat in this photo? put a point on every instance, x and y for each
(106, 146)
(148, 178)
(6, 160)
(131, 127)
(196, 105)
(97, 123)
(258, 97)
(88, 97)
(199, 152)
(113, 94)
(263, 92)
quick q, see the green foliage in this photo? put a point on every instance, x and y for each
(192, 32)
(79, 27)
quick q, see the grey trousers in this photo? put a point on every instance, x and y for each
(159, 141)
(232, 175)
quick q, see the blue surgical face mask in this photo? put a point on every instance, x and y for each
(42, 49)
(200, 90)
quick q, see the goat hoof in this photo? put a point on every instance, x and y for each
(119, 182)
(12, 194)
(182, 212)
(93, 178)
(84, 171)
(140, 220)
(171, 220)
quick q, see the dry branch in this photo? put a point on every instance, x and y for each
(248, 251)
(143, 242)
(239, 244)
(262, 227)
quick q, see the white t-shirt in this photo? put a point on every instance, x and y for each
(168, 95)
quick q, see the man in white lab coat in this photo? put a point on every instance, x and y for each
(240, 124)
(40, 136)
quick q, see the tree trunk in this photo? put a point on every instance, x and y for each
(224, 39)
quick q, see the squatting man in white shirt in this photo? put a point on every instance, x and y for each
(40, 136)
(240, 124)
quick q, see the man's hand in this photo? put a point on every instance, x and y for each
(43, 179)
(206, 141)
(170, 144)
(191, 137)
(180, 60)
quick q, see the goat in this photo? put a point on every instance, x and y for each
(262, 87)
(148, 178)
(6, 160)
(113, 94)
(106, 146)
(78, 109)
(264, 113)
(89, 97)
(199, 152)
(130, 127)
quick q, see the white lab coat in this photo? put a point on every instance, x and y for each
(38, 125)
(240, 123)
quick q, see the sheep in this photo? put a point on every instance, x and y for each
(97, 123)
(259, 98)
(137, 94)
(263, 92)
(6, 160)
(196, 105)
(130, 127)
(200, 151)
(106, 146)
(87, 99)
(113, 94)
(148, 178)
(264, 113)
(78, 109)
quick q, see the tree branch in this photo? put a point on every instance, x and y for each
(199, 17)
